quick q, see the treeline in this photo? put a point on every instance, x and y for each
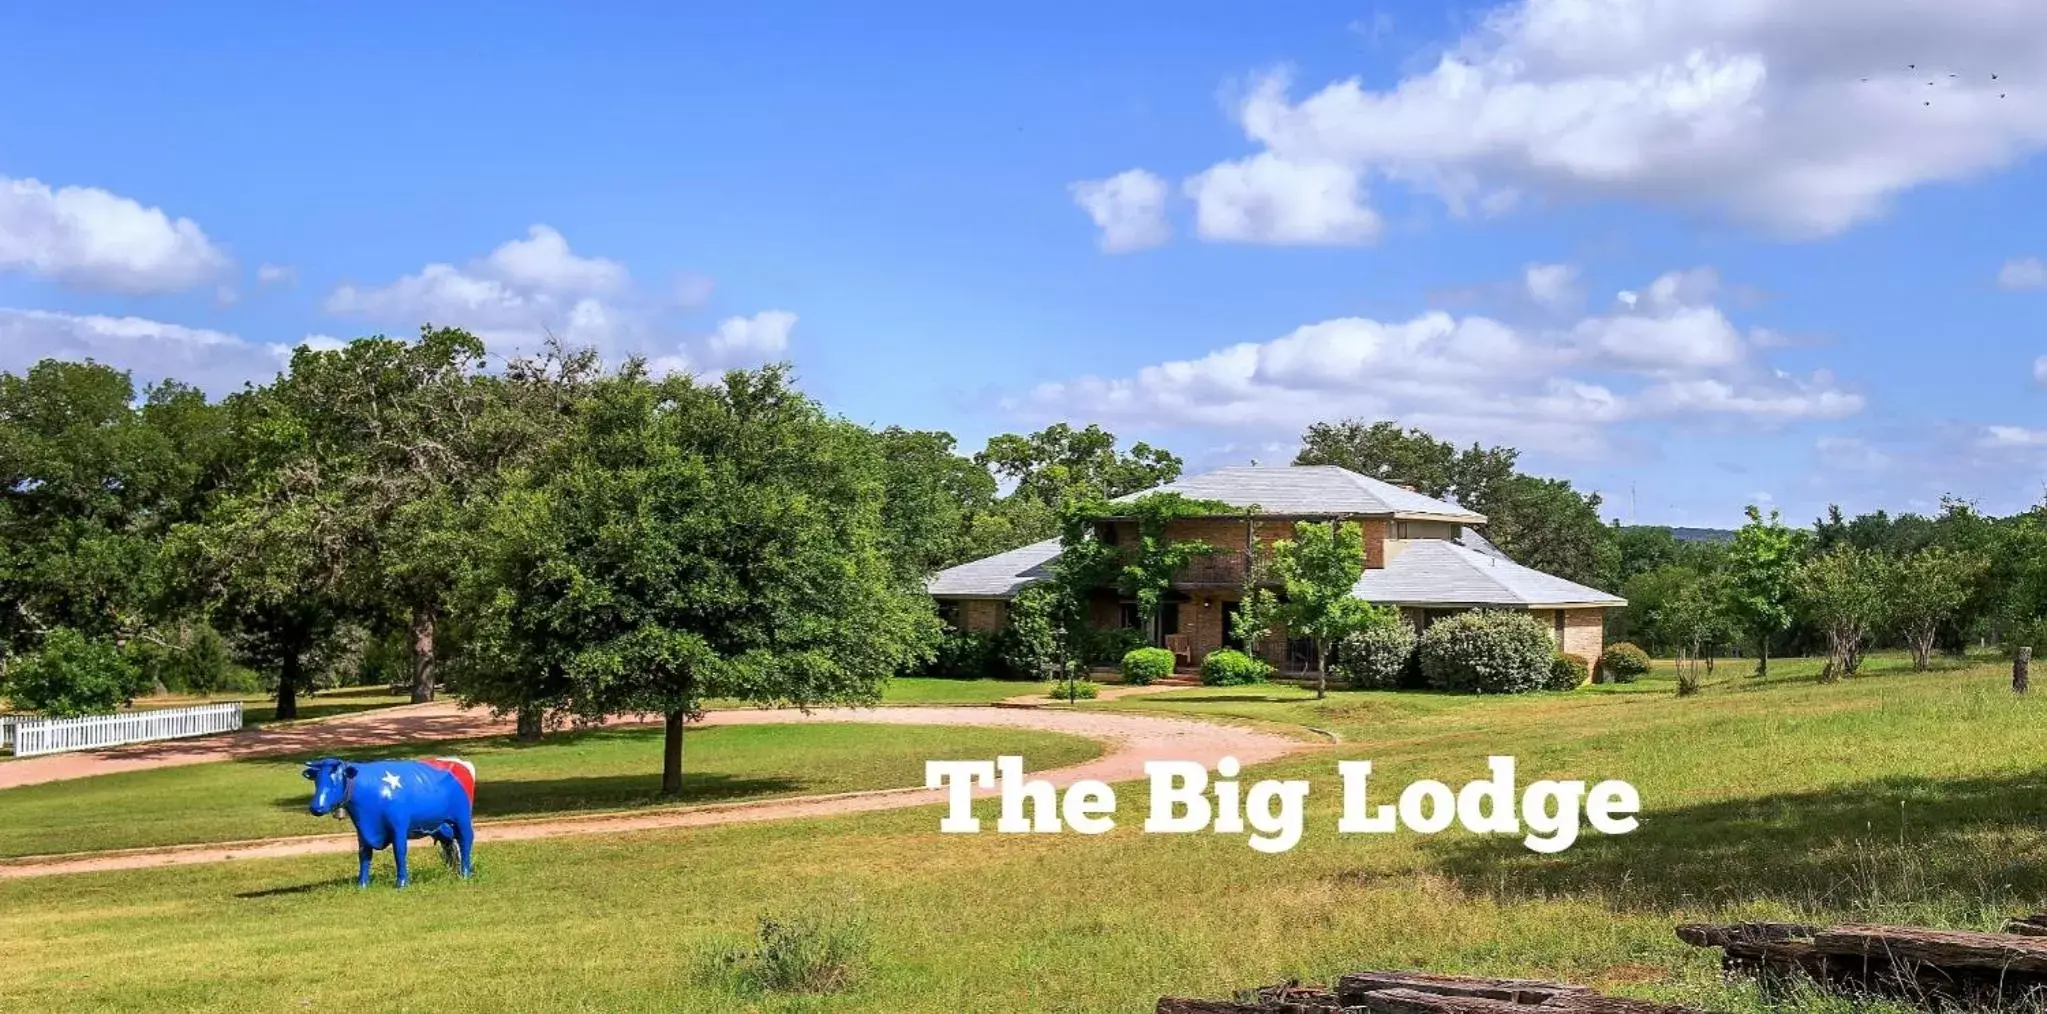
(1929, 584)
(553, 537)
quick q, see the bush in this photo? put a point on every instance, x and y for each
(1624, 663)
(1107, 646)
(961, 655)
(1229, 667)
(1080, 690)
(195, 662)
(1379, 657)
(1567, 671)
(1147, 664)
(72, 675)
(821, 953)
(1487, 652)
(1029, 646)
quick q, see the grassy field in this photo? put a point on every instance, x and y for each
(1887, 797)
(569, 772)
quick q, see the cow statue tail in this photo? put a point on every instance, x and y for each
(464, 772)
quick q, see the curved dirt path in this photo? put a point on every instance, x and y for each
(1131, 740)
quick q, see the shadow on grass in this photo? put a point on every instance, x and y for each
(1956, 850)
(530, 797)
(298, 889)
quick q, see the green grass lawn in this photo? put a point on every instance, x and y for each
(568, 772)
(1888, 797)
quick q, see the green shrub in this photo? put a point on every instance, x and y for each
(1107, 646)
(1079, 690)
(807, 953)
(1624, 663)
(1567, 671)
(1145, 665)
(1487, 652)
(1379, 657)
(1229, 667)
(195, 660)
(1029, 646)
(963, 655)
(71, 675)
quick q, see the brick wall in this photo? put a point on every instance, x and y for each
(1227, 534)
(1585, 633)
(978, 616)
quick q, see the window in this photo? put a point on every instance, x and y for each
(1127, 616)
(949, 613)
(1105, 532)
(1400, 529)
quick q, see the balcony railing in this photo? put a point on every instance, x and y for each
(1215, 570)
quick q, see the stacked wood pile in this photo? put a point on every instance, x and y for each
(1924, 966)
(1420, 993)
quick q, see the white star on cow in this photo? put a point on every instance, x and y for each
(390, 783)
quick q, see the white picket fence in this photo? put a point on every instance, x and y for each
(31, 736)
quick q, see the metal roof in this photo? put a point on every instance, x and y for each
(1309, 490)
(1438, 572)
(996, 577)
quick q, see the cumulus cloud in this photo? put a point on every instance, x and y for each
(1800, 117)
(150, 350)
(1272, 199)
(1558, 388)
(736, 342)
(2022, 273)
(276, 274)
(1129, 208)
(2013, 436)
(1553, 286)
(87, 238)
(519, 292)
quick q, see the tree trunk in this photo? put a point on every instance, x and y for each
(529, 723)
(288, 679)
(1763, 656)
(422, 655)
(1321, 671)
(671, 755)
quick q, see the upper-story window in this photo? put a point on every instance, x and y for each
(1105, 532)
(1400, 530)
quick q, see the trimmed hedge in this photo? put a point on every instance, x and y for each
(1568, 671)
(1144, 665)
(1487, 652)
(1080, 690)
(1624, 663)
(1228, 667)
(1379, 657)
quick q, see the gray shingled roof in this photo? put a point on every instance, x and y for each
(1437, 572)
(1309, 489)
(996, 577)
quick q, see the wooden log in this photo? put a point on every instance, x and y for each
(1351, 987)
(1722, 934)
(1943, 948)
(1573, 1001)
(2034, 925)
(2021, 668)
(1185, 1005)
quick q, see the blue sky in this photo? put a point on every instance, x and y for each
(1689, 258)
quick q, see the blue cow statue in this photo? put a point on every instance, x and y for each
(392, 802)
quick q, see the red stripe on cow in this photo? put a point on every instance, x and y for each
(464, 772)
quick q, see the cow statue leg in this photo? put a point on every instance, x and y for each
(398, 847)
(363, 853)
(465, 837)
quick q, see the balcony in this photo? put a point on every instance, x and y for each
(1216, 570)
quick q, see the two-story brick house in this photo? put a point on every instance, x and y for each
(1422, 554)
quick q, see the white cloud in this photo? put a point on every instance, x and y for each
(543, 261)
(762, 336)
(1472, 377)
(316, 342)
(2022, 273)
(150, 350)
(2013, 436)
(1801, 117)
(521, 291)
(276, 274)
(2040, 371)
(88, 238)
(1271, 199)
(1553, 286)
(1129, 208)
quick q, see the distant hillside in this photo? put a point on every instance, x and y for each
(1702, 534)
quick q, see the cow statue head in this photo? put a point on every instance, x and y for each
(330, 777)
